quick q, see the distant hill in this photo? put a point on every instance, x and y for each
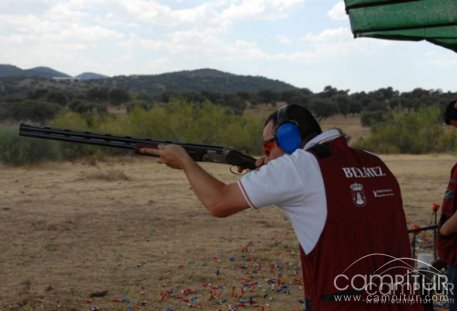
(90, 76)
(10, 71)
(16, 81)
(45, 72)
(200, 80)
(42, 72)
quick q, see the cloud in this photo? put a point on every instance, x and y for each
(62, 22)
(284, 39)
(205, 15)
(63, 35)
(339, 43)
(333, 34)
(144, 25)
(195, 44)
(262, 9)
(70, 11)
(441, 60)
(338, 12)
(218, 15)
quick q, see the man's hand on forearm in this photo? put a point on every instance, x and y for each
(172, 155)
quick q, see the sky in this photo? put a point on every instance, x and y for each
(307, 43)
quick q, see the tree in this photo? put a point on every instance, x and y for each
(118, 96)
(98, 94)
(328, 91)
(37, 94)
(344, 104)
(268, 97)
(36, 111)
(57, 97)
(354, 107)
(324, 109)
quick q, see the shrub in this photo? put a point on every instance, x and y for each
(203, 123)
(415, 132)
(17, 150)
(369, 118)
(83, 106)
(36, 111)
(179, 121)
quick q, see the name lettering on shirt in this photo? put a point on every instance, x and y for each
(363, 172)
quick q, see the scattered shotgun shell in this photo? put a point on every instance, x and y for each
(99, 294)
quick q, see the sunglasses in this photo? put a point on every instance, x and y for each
(268, 145)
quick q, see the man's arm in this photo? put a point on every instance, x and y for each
(450, 226)
(220, 199)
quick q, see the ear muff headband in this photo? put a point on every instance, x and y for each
(287, 132)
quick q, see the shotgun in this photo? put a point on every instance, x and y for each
(198, 152)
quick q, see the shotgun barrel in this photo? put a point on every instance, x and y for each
(198, 152)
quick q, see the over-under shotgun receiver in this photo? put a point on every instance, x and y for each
(203, 153)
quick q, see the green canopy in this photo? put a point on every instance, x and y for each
(431, 20)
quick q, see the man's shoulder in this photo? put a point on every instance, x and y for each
(324, 149)
(320, 151)
(296, 159)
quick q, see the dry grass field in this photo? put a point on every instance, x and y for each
(128, 234)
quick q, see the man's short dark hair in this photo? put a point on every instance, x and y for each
(308, 125)
(450, 113)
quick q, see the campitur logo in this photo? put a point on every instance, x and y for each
(397, 280)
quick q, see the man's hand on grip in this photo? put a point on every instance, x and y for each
(258, 163)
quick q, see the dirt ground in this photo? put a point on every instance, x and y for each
(128, 234)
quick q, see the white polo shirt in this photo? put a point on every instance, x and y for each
(293, 183)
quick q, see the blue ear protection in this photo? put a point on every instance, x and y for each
(287, 132)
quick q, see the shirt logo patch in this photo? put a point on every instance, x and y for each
(383, 193)
(358, 195)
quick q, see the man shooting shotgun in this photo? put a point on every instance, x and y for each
(344, 205)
